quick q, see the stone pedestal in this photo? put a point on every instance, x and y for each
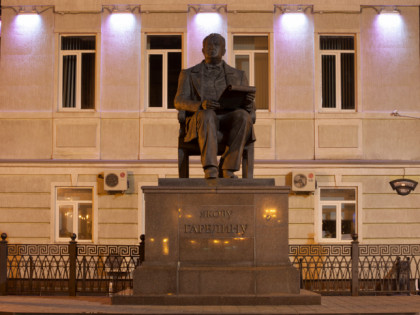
(217, 241)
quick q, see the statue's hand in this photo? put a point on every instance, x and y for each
(208, 104)
(250, 97)
(249, 102)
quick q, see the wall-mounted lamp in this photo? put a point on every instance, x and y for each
(389, 10)
(28, 9)
(403, 186)
(291, 8)
(122, 8)
(207, 8)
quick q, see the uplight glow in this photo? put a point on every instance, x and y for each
(389, 20)
(122, 22)
(208, 23)
(25, 29)
(27, 22)
(390, 30)
(291, 22)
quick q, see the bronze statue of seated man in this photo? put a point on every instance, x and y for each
(199, 90)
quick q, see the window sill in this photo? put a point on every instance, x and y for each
(66, 241)
(333, 242)
(160, 110)
(76, 114)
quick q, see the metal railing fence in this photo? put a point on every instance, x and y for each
(84, 269)
(67, 269)
(358, 269)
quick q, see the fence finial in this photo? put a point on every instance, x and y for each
(3, 237)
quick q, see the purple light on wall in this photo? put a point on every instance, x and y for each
(389, 30)
(26, 27)
(293, 22)
(389, 21)
(208, 22)
(121, 22)
(27, 22)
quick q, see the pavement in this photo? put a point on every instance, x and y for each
(102, 305)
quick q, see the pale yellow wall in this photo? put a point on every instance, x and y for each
(27, 207)
(388, 217)
(26, 82)
(390, 62)
(27, 204)
(122, 133)
(294, 139)
(120, 63)
(119, 139)
(25, 138)
(293, 63)
(393, 138)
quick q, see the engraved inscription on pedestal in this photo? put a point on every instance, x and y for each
(216, 234)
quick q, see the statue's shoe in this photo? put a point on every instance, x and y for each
(211, 172)
(229, 174)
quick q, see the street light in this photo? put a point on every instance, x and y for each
(403, 186)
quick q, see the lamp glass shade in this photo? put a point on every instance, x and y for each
(403, 186)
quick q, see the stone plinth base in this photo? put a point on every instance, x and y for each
(302, 298)
(216, 242)
(220, 280)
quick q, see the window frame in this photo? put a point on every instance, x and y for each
(55, 213)
(78, 54)
(357, 187)
(164, 53)
(251, 56)
(337, 54)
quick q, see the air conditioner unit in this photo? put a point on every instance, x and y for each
(115, 180)
(303, 181)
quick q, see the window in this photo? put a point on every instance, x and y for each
(338, 72)
(77, 72)
(74, 213)
(251, 56)
(164, 63)
(338, 213)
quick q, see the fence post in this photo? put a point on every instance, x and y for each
(301, 272)
(72, 265)
(3, 264)
(141, 249)
(355, 266)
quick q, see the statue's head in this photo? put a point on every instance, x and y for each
(214, 48)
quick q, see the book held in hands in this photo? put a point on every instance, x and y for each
(234, 96)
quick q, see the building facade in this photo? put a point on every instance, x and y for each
(87, 87)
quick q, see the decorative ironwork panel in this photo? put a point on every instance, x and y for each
(393, 250)
(100, 269)
(37, 249)
(103, 269)
(382, 269)
(106, 250)
(319, 250)
(385, 269)
(35, 268)
(324, 269)
(106, 268)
